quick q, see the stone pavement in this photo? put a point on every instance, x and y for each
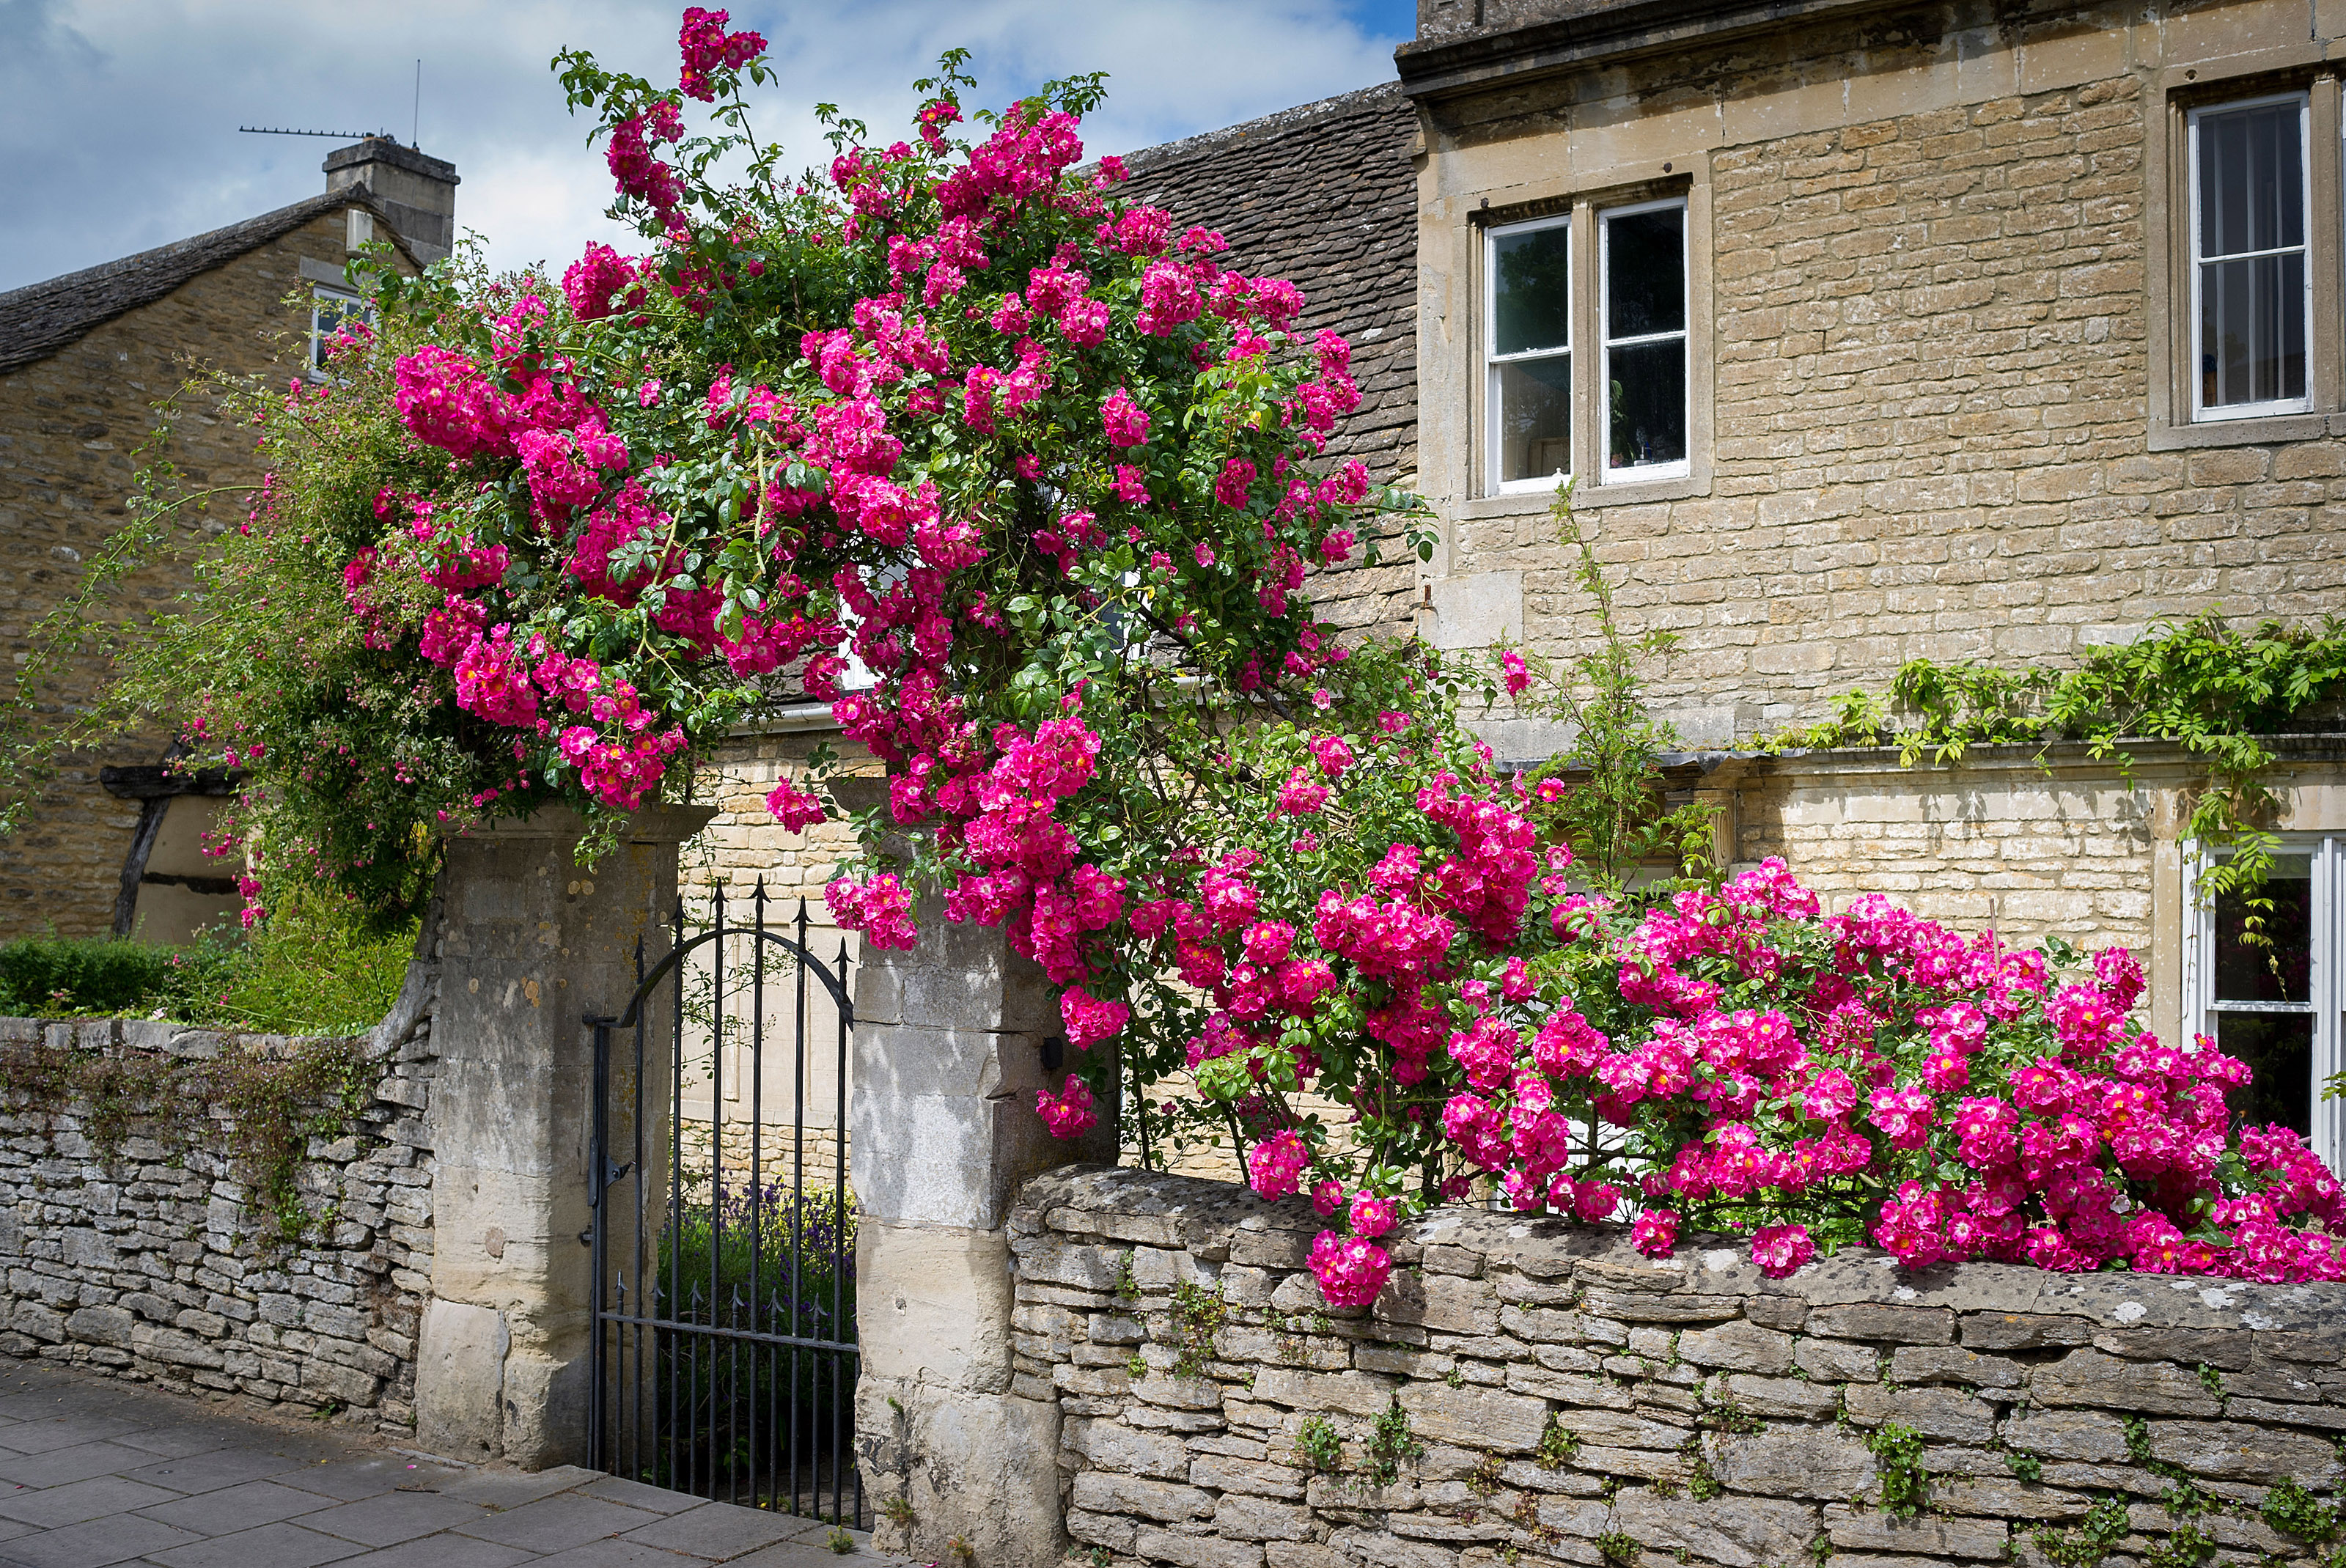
(95, 1473)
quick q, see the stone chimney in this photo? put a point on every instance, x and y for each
(419, 193)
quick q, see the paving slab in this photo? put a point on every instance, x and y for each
(445, 1550)
(618, 1554)
(717, 1530)
(560, 1523)
(209, 1469)
(279, 1545)
(636, 1495)
(80, 1462)
(391, 1517)
(235, 1507)
(98, 1474)
(51, 1506)
(99, 1543)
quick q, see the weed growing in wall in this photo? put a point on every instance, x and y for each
(1391, 1443)
(1198, 1315)
(1317, 1444)
(261, 1109)
(1898, 1461)
(1619, 1549)
(2094, 1538)
(2292, 1510)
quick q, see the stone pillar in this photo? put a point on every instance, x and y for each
(950, 1040)
(532, 943)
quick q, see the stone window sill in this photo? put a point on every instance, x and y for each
(2270, 430)
(1585, 497)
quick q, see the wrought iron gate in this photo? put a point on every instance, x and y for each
(724, 1247)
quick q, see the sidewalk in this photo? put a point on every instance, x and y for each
(95, 1473)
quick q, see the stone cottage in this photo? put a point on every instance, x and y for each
(114, 846)
(1869, 332)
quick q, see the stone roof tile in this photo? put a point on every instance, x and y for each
(42, 319)
(1324, 195)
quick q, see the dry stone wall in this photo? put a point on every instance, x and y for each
(148, 1257)
(1561, 1399)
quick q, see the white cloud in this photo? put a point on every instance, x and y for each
(117, 117)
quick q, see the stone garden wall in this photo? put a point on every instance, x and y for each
(1532, 1391)
(134, 1239)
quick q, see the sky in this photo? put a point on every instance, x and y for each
(118, 117)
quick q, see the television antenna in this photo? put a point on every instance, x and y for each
(338, 136)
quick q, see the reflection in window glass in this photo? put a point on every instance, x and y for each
(1530, 356)
(1531, 287)
(2249, 255)
(2266, 953)
(1534, 409)
(2279, 1049)
(1646, 337)
(329, 313)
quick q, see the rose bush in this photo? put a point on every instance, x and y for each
(1026, 483)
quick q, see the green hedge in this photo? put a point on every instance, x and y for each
(51, 974)
(303, 971)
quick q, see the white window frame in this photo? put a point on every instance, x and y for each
(1642, 473)
(1493, 361)
(2325, 996)
(2202, 411)
(354, 305)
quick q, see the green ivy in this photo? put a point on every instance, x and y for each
(275, 1104)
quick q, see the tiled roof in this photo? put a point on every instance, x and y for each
(40, 318)
(1325, 196)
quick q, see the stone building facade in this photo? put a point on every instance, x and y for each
(114, 844)
(1938, 272)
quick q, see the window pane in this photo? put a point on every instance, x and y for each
(1644, 261)
(1533, 282)
(2279, 1049)
(2266, 955)
(1649, 399)
(1534, 418)
(2251, 180)
(2252, 329)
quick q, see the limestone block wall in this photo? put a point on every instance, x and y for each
(70, 429)
(2005, 842)
(1934, 301)
(1561, 1399)
(148, 1257)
